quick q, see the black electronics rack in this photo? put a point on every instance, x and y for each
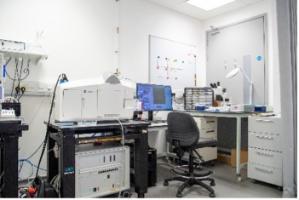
(197, 95)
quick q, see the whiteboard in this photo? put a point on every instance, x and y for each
(172, 63)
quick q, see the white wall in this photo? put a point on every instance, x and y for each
(138, 20)
(80, 39)
(264, 7)
(77, 34)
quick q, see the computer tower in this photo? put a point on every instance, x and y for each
(152, 167)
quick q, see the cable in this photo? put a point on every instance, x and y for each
(37, 111)
(60, 77)
(10, 100)
(19, 76)
(38, 148)
(14, 78)
(20, 170)
(31, 164)
(22, 161)
(122, 142)
(25, 70)
(122, 132)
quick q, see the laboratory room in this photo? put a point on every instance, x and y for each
(148, 99)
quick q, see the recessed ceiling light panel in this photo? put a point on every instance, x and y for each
(209, 4)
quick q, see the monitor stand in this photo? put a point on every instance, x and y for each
(150, 116)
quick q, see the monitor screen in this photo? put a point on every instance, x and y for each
(154, 97)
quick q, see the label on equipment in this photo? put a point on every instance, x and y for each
(69, 170)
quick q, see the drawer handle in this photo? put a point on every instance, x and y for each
(210, 121)
(264, 120)
(265, 137)
(264, 170)
(264, 154)
(210, 131)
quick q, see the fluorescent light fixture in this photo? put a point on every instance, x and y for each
(209, 4)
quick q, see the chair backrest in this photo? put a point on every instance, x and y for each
(182, 128)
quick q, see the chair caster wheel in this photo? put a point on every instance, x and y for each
(126, 194)
(239, 179)
(179, 195)
(280, 188)
(213, 184)
(212, 195)
(165, 183)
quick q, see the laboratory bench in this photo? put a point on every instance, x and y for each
(10, 131)
(68, 136)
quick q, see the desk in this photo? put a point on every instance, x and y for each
(10, 131)
(238, 117)
(65, 137)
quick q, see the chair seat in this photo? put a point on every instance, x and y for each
(205, 143)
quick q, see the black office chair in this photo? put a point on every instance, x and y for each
(183, 134)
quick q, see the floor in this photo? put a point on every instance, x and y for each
(226, 185)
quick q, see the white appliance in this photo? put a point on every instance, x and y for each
(102, 171)
(91, 100)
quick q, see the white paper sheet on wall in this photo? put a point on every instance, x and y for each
(172, 63)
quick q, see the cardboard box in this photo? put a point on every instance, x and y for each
(231, 159)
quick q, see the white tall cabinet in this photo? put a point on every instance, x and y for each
(265, 156)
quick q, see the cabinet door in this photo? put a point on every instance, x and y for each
(265, 173)
(270, 141)
(264, 124)
(266, 157)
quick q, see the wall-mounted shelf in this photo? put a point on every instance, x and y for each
(34, 56)
(16, 49)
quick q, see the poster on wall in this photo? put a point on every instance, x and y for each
(172, 63)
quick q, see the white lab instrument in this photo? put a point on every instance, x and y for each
(16, 49)
(102, 171)
(93, 100)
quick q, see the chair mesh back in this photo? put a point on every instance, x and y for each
(183, 128)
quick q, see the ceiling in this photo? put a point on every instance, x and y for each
(187, 9)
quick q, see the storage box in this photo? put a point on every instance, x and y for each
(231, 159)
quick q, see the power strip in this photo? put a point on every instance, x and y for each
(8, 113)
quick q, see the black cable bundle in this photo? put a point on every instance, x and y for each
(61, 77)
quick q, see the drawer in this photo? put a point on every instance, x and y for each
(208, 153)
(208, 134)
(264, 173)
(264, 124)
(271, 141)
(206, 123)
(265, 157)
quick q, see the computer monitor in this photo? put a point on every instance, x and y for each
(154, 97)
